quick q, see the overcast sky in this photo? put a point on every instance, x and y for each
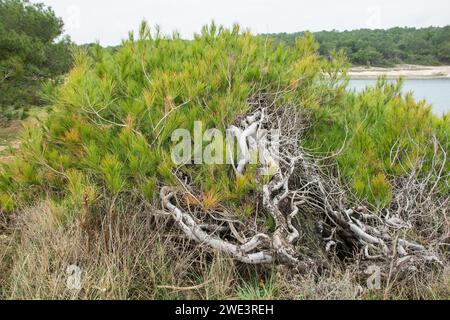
(109, 21)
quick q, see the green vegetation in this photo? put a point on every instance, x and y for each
(110, 128)
(29, 54)
(427, 46)
(85, 177)
(111, 124)
(366, 130)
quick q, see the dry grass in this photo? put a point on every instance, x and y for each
(129, 258)
(125, 259)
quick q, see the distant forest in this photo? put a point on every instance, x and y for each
(426, 46)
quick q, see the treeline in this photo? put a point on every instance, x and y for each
(426, 46)
(31, 53)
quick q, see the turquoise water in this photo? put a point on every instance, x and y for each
(434, 91)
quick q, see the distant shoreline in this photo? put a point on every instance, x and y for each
(405, 71)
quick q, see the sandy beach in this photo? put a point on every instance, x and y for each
(406, 71)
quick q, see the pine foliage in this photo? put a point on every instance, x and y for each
(109, 131)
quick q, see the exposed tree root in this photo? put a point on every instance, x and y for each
(292, 184)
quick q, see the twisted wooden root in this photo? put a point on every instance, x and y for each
(296, 186)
